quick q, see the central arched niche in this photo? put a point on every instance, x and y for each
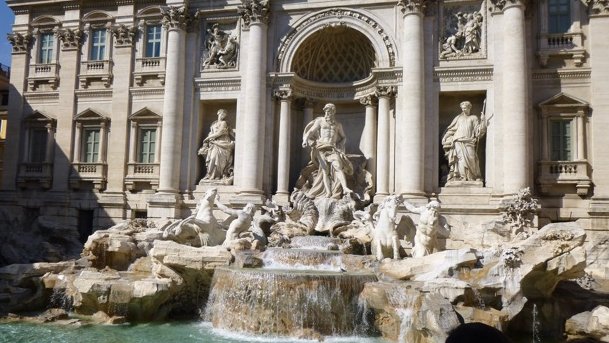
(335, 55)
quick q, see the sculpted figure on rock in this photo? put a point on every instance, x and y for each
(460, 143)
(329, 164)
(427, 229)
(218, 149)
(200, 229)
(241, 222)
(385, 236)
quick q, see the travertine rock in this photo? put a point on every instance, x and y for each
(429, 267)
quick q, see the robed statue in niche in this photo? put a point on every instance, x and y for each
(218, 148)
(460, 143)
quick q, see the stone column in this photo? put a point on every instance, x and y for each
(307, 118)
(581, 137)
(383, 141)
(410, 119)
(77, 142)
(175, 21)
(21, 42)
(50, 143)
(599, 89)
(368, 142)
(69, 60)
(255, 16)
(283, 153)
(133, 143)
(515, 120)
(103, 132)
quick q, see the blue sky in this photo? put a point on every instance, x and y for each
(6, 22)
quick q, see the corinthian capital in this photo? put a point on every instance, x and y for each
(20, 42)
(70, 38)
(369, 100)
(124, 34)
(283, 94)
(255, 11)
(386, 91)
(499, 5)
(412, 6)
(175, 17)
(598, 7)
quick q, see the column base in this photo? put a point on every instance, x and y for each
(282, 198)
(243, 197)
(165, 206)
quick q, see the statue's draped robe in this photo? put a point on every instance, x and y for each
(219, 157)
(464, 133)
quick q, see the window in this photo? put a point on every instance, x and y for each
(153, 41)
(559, 16)
(38, 145)
(147, 145)
(46, 47)
(98, 45)
(91, 145)
(561, 140)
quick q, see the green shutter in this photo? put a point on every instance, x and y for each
(147, 144)
(91, 145)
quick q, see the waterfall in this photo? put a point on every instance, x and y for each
(536, 325)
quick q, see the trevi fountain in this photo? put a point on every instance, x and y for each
(331, 265)
(344, 256)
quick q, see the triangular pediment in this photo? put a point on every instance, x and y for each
(563, 100)
(90, 114)
(39, 116)
(144, 113)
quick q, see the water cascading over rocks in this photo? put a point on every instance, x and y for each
(280, 302)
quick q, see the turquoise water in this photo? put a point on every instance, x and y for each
(143, 333)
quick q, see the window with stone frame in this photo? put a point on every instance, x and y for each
(560, 32)
(563, 165)
(46, 48)
(559, 16)
(98, 44)
(153, 40)
(146, 144)
(150, 49)
(144, 150)
(44, 69)
(90, 146)
(561, 144)
(39, 146)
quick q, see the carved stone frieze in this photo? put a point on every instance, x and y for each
(255, 11)
(463, 75)
(124, 34)
(369, 100)
(20, 41)
(71, 39)
(175, 17)
(598, 7)
(386, 91)
(337, 13)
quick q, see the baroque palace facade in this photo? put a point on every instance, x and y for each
(113, 103)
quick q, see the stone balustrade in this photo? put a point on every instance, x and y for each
(147, 173)
(35, 172)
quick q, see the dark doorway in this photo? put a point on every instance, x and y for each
(85, 224)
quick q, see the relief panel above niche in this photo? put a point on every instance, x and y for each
(220, 46)
(462, 30)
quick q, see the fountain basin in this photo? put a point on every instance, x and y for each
(286, 302)
(302, 259)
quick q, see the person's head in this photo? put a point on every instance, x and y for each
(249, 208)
(466, 107)
(476, 333)
(433, 206)
(329, 111)
(222, 114)
(215, 28)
